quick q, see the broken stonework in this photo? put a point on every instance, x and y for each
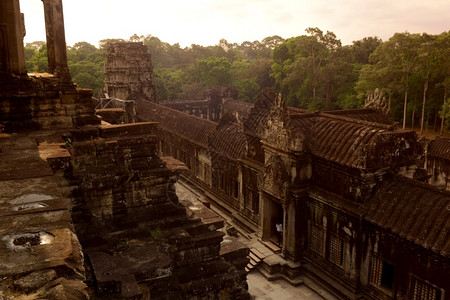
(138, 239)
(103, 188)
(128, 71)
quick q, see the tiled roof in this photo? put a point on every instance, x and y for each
(440, 148)
(188, 127)
(185, 104)
(370, 115)
(229, 139)
(355, 143)
(414, 211)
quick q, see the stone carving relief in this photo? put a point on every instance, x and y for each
(278, 132)
(275, 179)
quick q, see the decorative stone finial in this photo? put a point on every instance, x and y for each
(377, 101)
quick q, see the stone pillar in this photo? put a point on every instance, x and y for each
(241, 197)
(56, 40)
(12, 31)
(290, 231)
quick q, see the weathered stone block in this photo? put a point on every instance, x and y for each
(35, 280)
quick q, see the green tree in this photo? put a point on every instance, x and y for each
(442, 45)
(86, 63)
(392, 66)
(426, 61)
(36, 45)
(80, 51)
(362, 49)
(104, 43)
(248, 89)
(303, 68)
(214, 71)
(38, 63)
(260, 70)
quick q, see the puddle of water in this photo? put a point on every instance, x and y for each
(29, 206)
(20, 241)
(28, 198)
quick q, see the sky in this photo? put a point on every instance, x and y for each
(205, 22)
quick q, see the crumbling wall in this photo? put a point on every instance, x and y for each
(128, 72)
(139, 240)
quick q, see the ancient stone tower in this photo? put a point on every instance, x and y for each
(128, 72)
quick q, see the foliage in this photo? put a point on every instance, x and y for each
(38, 62)
(412, 70)
(311, 71)
(214, 71)
(187, 73)
(85, 63)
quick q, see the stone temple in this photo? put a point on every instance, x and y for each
(89, 210)
(365, 207)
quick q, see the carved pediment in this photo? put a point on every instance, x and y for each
(275, 179)
(277, 132)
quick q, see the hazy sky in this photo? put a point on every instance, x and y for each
(205, 22)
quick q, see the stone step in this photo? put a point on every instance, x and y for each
(252, 262)
(257, 253)
(277, 276)
(272, 246)
(270, 277)
(254, 258)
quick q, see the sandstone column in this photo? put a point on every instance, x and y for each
(12, 31)
(56, 40)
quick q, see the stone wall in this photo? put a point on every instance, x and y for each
(139, 240)
(128, 72)
(42, 101)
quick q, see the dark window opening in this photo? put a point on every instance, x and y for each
(235, 193)
(387, 277)
(382, 274)
(221, 181)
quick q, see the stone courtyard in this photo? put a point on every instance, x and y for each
(260, 287)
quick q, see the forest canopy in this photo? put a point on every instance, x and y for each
(313, 71)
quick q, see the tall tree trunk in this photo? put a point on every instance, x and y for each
(443, 112)
(412, 117)
(389, 103)
(328, 97)
(425, 88)
(435, 120)
(405, 106)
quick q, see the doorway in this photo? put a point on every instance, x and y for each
(273, 215)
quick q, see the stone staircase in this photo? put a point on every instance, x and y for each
(273, 266)
(256, 258)
(272, 246)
